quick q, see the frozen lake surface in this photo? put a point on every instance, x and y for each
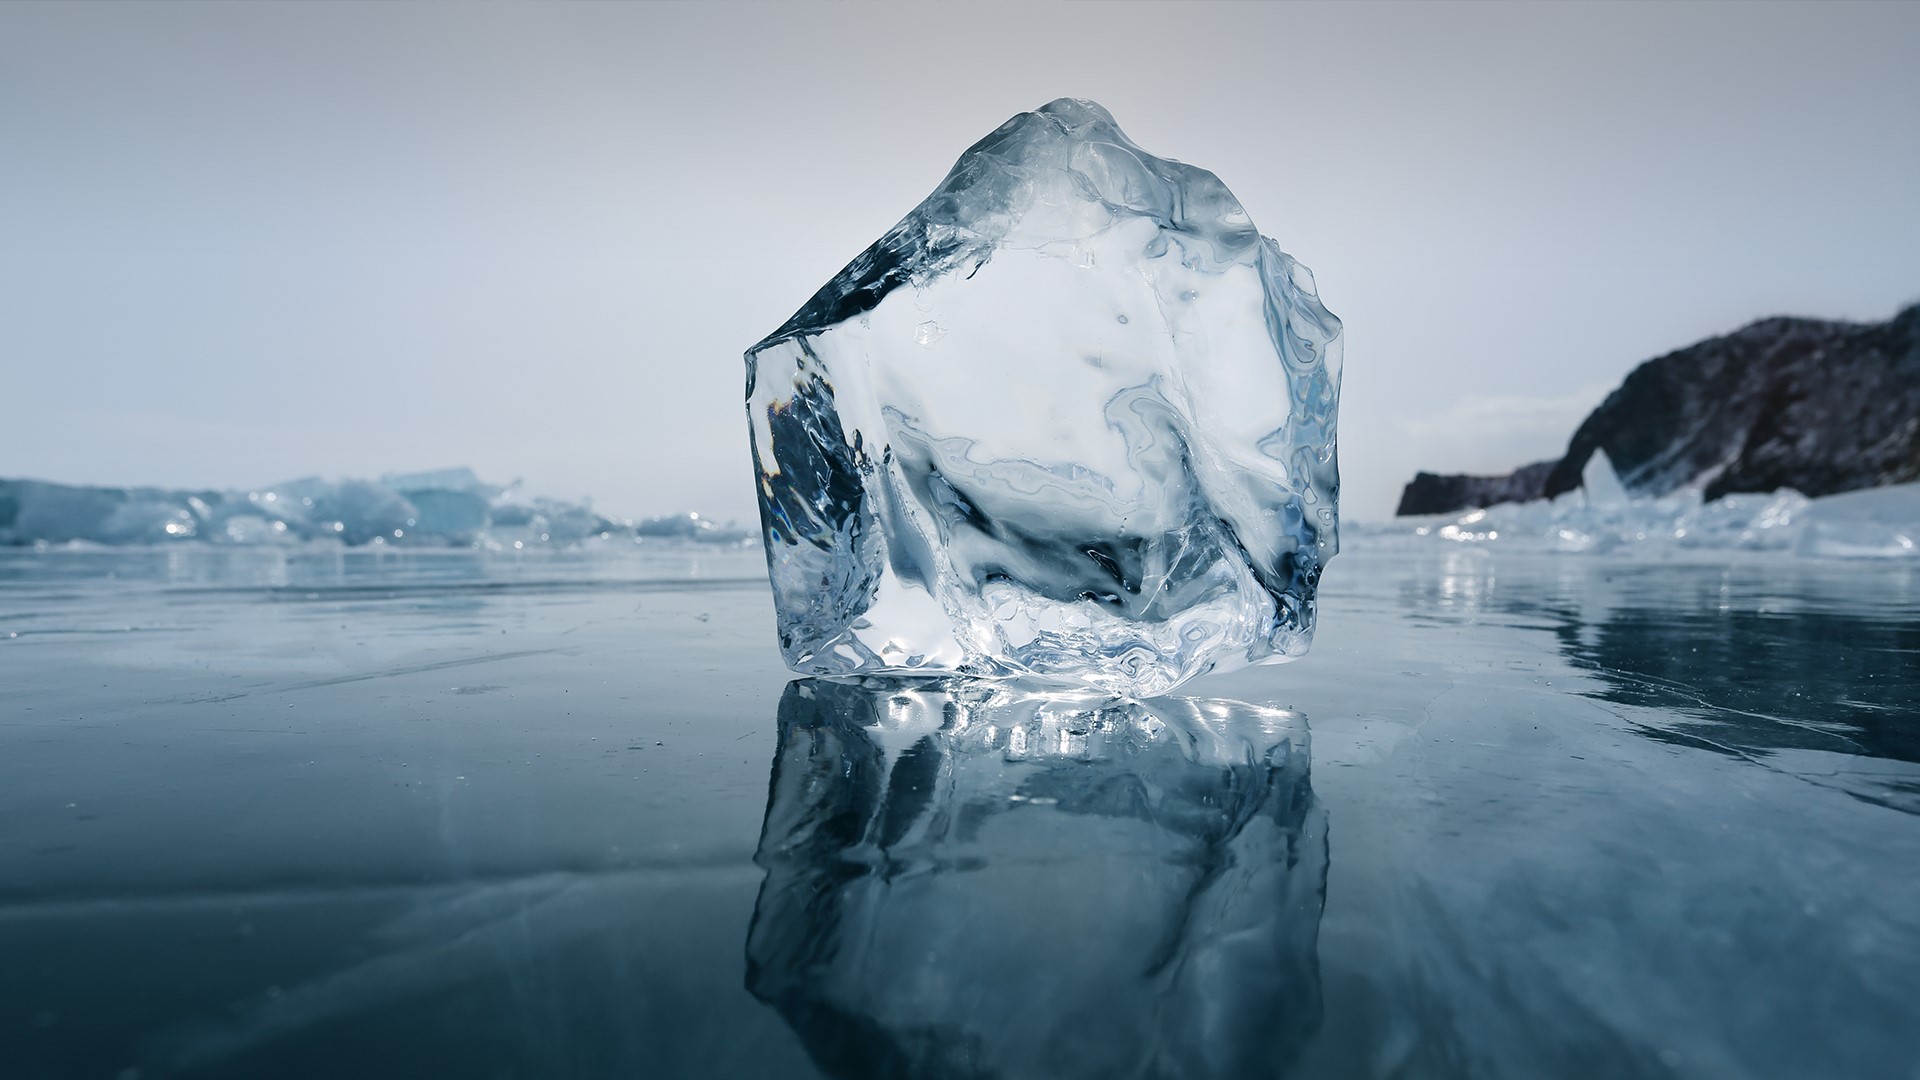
(319, 813)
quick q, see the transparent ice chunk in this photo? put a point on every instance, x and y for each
(966, 879)
(1073, 416)
(1601, 485)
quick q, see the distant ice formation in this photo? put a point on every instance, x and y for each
(447, 507)
(1599, 516)
(1072, 417)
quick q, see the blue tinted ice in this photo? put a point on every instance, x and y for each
(446, 507)
(970, 880)
(1073, 416)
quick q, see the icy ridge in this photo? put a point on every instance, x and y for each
(1600, 517)
(447, 507)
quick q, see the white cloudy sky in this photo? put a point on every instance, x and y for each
(240, 243)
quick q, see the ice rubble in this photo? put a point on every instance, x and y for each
(1600, 517)
(1073, 416)
(447, 507)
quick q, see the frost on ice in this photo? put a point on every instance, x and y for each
(1073, 416)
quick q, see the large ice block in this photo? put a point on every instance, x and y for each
(1072, 417)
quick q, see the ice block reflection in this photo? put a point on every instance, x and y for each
(978, 879)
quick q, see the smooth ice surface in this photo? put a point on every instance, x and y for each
(398, 813)
(1599, 516)
(1072, 416)
(444, 507)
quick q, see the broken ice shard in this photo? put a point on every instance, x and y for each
(1072, 417)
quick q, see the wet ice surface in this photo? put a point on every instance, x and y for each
(335, 813)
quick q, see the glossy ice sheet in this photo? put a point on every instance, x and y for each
(450, 814)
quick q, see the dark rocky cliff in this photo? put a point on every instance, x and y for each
(1822, 407)
(1434, 493)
